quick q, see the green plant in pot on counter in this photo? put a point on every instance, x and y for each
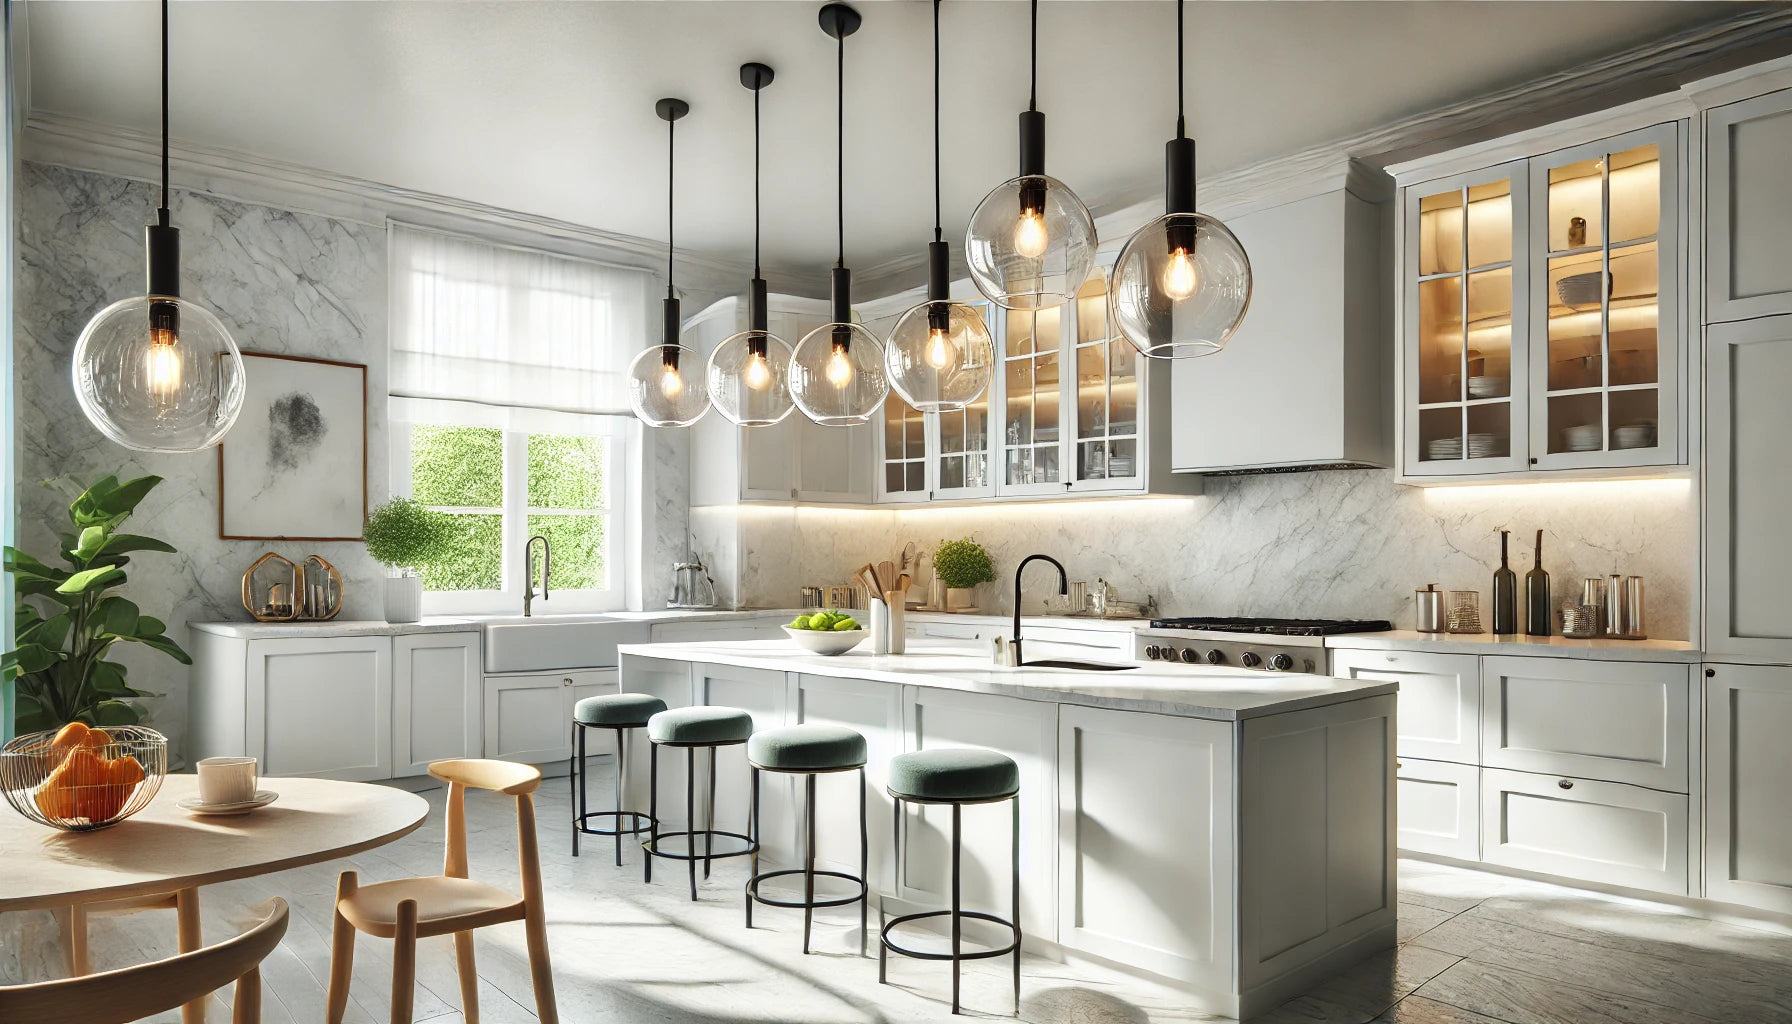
(406, 536)
(961, 565)
(68, 619)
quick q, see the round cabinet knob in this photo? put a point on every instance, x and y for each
(1151, 652)
(1215, 656)
(1280, 663)
(1250, 660)
(1190, 656)
(1565, 784)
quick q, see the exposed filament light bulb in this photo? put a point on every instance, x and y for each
(1030, 238)
(940, 351)
(671, 382)
(1179, 278)
(757, 374)
(839, 368)
(163, 363)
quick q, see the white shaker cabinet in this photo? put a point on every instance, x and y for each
(1748, 466)
(1440, 807)
(1619, 721)
(1602, 832)
(1440, 699)
(1748, 774)
(437, 687)
(320, 707)
(528, 716)
(1748, 208)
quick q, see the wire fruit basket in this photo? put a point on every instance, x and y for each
(79, 778)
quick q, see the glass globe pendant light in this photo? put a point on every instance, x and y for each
(1182, 283)
(1031, 242)
(940, 354)
(157, 372)
(837, 371)
(664, 384)
(749, 372)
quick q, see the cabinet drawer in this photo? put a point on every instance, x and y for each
(1440, 699)
(958, 630)
(1582, 828)
(1440, 807)
(1612, 721)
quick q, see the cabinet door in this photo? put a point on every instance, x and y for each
(1748, 564)
(761, 693)
(834, 464)
(874, 710)
(960, 441)
(1748, 208)
(1611, 720)
(1105, 388)
(437, 688)
(1030, 386)
(1440, 699)
(1605, 319)
(528, 717)
(1026, 731)
(1440, 807)
(768, 460)
(1748, 772)
(670, 681)
(1599, 832)
(901, 452)
(1143, 880)
(1464, 293)
(322, 707)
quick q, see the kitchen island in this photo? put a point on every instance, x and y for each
(1232, 831)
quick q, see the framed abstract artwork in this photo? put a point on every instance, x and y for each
(294, 467)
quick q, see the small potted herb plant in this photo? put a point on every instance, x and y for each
(406, 536)
(961, 565)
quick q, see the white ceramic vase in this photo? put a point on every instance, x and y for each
(404, 598)
(960, 599)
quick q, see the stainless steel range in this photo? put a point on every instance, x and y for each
(1262, 645)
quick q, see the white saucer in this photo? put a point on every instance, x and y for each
(263, 797)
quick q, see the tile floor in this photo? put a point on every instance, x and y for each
(1474, 949)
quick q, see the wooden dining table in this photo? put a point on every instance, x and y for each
(160, 856)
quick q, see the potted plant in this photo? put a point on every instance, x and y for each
(405, 536)
(961, 565)
(68, 619)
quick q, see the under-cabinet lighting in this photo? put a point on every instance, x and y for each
(1620, 490)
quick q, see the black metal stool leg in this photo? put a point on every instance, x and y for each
(883, 950)
(957, 922)
(709, 816)
(1015, 904)
(753, 831)
(808, 858)
(621, 759)
(690, 815)
(573, 789)
(864, 867)
(653, 809)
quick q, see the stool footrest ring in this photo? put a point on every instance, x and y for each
(840, 901)
(643, 822)
(981, 954)
(692, 835)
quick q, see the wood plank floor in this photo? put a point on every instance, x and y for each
(1474, 949)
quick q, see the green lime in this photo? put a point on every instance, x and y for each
(844, 625)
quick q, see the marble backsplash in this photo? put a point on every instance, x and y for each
(1341, 543)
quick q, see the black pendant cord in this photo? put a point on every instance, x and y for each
(938, 233)
(1033, 94)
(671, 151)
(1181, 129)
(840, 159)
(162, 212)
(757, 273)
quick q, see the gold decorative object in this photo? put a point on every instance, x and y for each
(320, 589)
(269, 587)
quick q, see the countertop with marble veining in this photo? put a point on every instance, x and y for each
(1189, 691)
(1534, 646)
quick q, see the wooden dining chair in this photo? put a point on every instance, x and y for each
(131, 993)
(412, 908)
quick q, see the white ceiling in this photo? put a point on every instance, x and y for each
(547, 108)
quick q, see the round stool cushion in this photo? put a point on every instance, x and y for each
(807, 748)
(699, 725)
(618, 710)
(966, 774)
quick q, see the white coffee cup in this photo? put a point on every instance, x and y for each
(226, 780)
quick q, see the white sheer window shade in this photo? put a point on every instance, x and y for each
(501, 325)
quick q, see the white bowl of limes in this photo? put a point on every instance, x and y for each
(828, 632)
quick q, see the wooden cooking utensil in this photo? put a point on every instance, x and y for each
(886, 574)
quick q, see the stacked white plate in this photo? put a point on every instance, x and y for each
(1487, 387)
(1485, 446)
(1634, 435)
(1584, 438)
(1444, 448)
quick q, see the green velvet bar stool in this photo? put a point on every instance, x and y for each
(810, 751)
(956, 778)
(622, 713)
(705, 727)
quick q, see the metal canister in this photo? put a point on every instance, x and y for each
(1635, 628)
(1428, 605)
(1614, 606)
(1592, 594)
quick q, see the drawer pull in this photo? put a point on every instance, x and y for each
(1565, 784)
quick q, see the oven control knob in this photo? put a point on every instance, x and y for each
(1151, 652)
(1215, 656)
(1280, 663)
(1190, 655)
(1250, 659)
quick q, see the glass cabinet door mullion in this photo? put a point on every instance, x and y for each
(1605, 304)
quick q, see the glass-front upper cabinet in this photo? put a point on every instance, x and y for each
(1540, 328)
(903, 476)
(961, 467)
(1107, 396)
(1605, 259)
(1032, 374)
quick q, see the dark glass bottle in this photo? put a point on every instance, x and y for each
(1536, 595)
(1505, 593)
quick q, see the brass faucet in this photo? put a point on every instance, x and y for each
(529, 570)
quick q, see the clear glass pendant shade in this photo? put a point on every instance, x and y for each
(159, 374)
(666, 386)
(749, 379)
(837, 375)
(940, 363)
(1181, 286)
(1030, 244)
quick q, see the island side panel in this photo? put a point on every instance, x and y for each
(670, 681)
(875, 711)
(1316, 857)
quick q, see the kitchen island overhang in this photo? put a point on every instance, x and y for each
(1232, 832)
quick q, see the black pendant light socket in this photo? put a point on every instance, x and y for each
(162, 241)
(669, 332)
(842, 306)
(1179, 176)
(839, 20)
(1032, 143)
(939, 286)
(757, 317)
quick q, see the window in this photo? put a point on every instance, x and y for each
(510, 413)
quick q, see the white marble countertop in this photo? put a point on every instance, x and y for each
(1535, 646)
(1191, 691)
(337, 627)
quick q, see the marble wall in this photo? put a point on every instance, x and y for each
(1345, 543)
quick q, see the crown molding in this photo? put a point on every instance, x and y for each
(59, 139)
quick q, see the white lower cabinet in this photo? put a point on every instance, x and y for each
(1440, 699)
(320, 707)
(1440, 807)
(874, 710)
(1143, 880)
(437, 686)
(1601, 832)
(1614, 721)
(528, 716)
(1748, 776)
(763, 694)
